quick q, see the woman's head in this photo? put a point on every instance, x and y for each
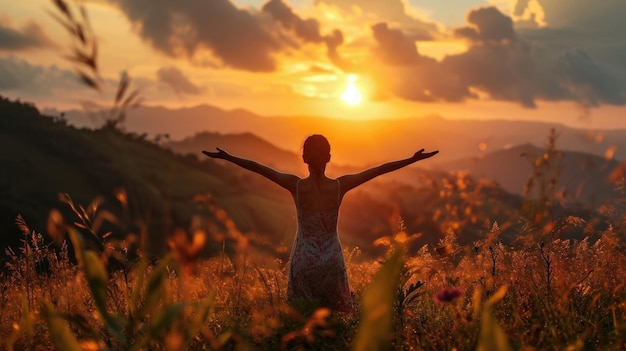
(316, 152)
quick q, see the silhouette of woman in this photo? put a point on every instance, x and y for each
(317, 269)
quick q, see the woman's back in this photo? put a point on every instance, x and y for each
(318, 195)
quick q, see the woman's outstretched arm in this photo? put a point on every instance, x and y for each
(285, 180)
(351, 181)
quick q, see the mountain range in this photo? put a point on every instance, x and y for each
(583, 179)
(363, 142)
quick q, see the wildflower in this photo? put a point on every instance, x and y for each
(187, 251)
(448, 295)
(55, 226)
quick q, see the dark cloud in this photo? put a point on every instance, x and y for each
(488, 25)
(239, 38)
(306, 29)
(596, 28)
(409, 75)
(504, 71)
(394, 47)
(497, 63)
(31, 36)
(606, 16)
(589, 82)
(176, 80)
(181, 28)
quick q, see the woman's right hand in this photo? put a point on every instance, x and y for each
(219, 154)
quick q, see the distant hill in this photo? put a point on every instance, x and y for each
(244, 144)
(359, 142)
(584, 177)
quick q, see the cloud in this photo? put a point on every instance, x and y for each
(183, 28)
(394, 47)
(20, 78)
(488, 25)
(594, 27)
(239, 38)
(306, 29)
(497, 63)
(18, 74)
(589, 82)
(604, 16)
(391, 11)
(176, 80)
(28, 37)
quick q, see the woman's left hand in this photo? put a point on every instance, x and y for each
(420, 155)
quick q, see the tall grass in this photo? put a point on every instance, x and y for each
(550, 293)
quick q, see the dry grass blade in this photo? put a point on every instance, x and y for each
(21, 223)
(84, 48)
(87, 80)
(80, 57)
(122, 87)
(67, 25)
(62, 6)
(80, 32)
(85, 17)
(133, 99)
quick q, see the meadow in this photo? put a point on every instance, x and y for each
(540, 292)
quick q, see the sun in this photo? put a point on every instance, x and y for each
(352, 95)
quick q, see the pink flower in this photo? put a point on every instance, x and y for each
(448, 295)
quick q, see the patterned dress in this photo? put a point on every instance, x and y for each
(317, 270)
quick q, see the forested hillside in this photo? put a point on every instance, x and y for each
(42, 157)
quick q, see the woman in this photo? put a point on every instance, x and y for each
(317, 269)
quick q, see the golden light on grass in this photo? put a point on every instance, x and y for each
(352, 95)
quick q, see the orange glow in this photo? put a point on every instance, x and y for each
(352, 95)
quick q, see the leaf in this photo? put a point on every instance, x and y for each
(154, 287)
(76, 240)
(495, 298)
(160, 323)
(492, 336)
(27, 323)
(82, 324)
(60, 333)
(377, 315)
(165, 317)
(136, 291)
(200, 318)
(97, 279)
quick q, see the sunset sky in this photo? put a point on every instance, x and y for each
(529, 59)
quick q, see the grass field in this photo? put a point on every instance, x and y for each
(544, 293)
